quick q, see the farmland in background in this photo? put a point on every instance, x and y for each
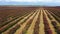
(29, 20)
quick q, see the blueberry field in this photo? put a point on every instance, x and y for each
(29, 20)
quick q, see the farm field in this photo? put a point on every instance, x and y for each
(29, 20)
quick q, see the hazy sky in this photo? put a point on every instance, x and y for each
(30, 2)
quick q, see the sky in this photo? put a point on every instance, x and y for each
(31, 2)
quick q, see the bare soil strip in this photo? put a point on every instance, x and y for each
(41, 25)
(31, 28)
